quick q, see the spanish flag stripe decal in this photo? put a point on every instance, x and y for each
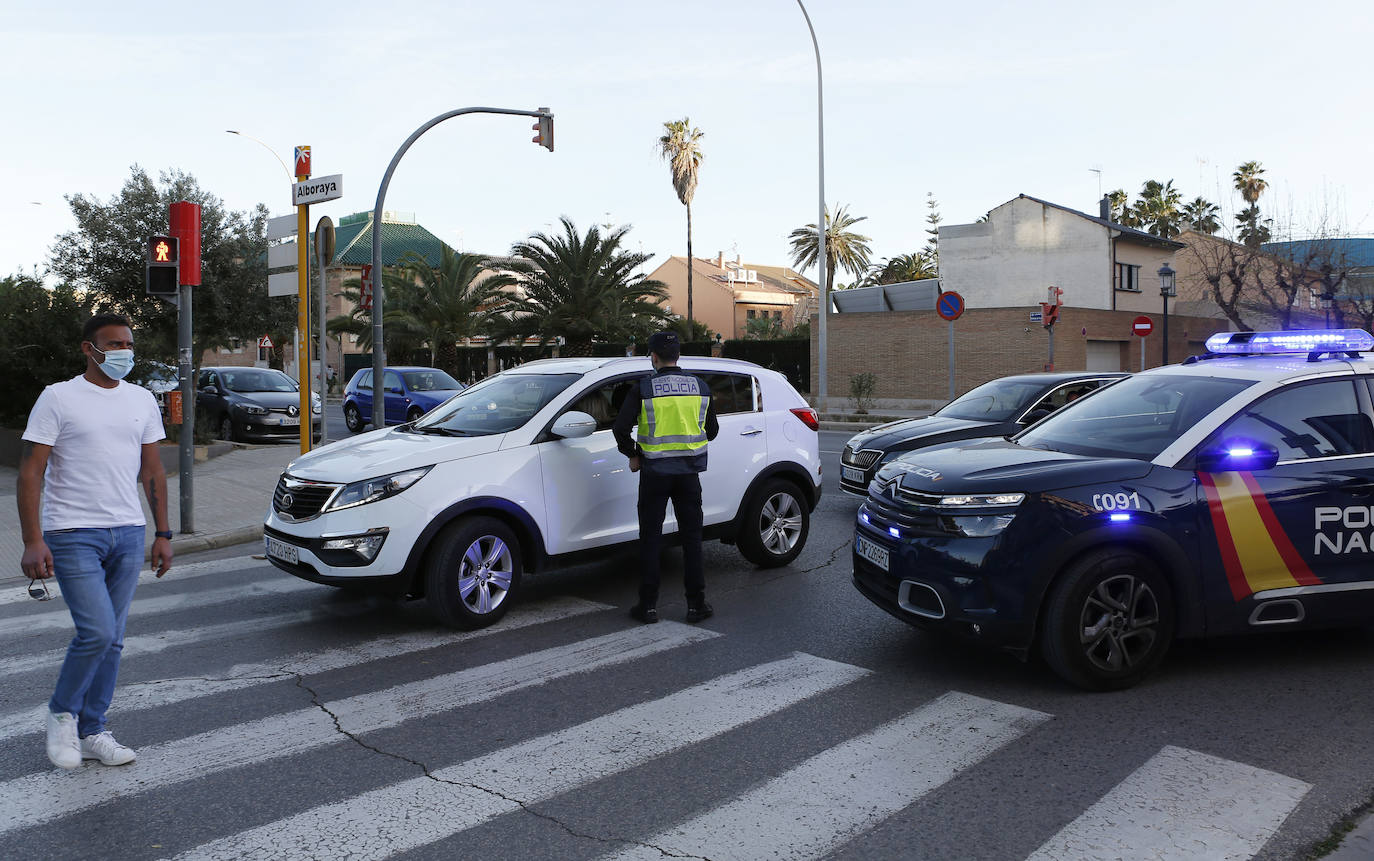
(1225, 543)
(1255, 550)
(1296, 566)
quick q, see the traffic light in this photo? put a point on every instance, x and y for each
(163, 269)
(545, 131)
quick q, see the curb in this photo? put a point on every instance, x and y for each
(200, 541)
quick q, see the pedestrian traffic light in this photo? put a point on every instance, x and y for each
(162, 266)
(545, 131)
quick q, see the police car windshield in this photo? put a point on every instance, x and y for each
(1137, 417)
(497, 404)
(996, 401)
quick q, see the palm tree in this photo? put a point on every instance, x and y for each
(679, 146)
(358, 322)
(447, 304)
(1250, 182)
(1158, 209)
(903, 267)
(842, 248)
(580, 289)
(1201, 215)
(1119, 209)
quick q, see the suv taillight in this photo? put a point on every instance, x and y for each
(808, 416)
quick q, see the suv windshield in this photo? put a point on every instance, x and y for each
(496, 405)
(255, 380)
(1137, 417)
(429, 381)
(996, 401)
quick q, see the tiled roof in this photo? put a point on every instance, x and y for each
(1355, 253)
(353, 243)
(1140, 235)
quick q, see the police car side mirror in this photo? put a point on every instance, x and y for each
(573, 425)
(1237, 457)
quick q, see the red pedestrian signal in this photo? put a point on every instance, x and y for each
(545, 131)
(163, 269)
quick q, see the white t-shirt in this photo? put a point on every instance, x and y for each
(97, 435)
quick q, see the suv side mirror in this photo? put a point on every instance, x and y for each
(210, 390)
(1237, 456)
(573, 425)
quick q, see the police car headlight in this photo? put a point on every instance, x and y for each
(374, 489)
(982, 499)
(980, 525)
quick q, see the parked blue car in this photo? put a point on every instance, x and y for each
(410, 393)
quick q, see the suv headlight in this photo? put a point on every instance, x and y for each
(373, 489)
(984, 523)
(253, 409)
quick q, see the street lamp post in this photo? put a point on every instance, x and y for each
(1166, 289)
(820, 218)
(378, 290)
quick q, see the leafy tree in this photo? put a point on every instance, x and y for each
(691, 330)
(1200, 215)
(678, 145)
(40, 338)
(764, 329)
(104, 257)
(932, 249)
(1253, 232)
(581, 288)
(843, 248)
(442, 306)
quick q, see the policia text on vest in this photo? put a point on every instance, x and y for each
(673, 418)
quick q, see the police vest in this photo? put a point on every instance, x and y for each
(672, 422)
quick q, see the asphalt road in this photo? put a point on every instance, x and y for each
(277, 718)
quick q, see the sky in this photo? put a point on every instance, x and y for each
(974, 103)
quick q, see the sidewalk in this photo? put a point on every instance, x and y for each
(232, 493)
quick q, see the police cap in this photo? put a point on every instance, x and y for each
(665, 345)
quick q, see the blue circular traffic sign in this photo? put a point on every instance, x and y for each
(950, 305)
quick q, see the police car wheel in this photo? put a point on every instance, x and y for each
(1109, 620)
(353, 418)
(775, 525)
(473, 572)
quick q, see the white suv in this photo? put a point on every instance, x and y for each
(520, 473)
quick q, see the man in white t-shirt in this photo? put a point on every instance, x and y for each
(91, 442)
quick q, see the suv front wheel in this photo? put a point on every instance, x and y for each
(473, 572)
(774, 525)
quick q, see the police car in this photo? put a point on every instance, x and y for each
(520, 473)
(1232, 493)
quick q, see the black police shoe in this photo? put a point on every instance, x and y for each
(647, 615)
(699, 612)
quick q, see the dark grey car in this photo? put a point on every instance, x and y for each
(994, 409)
(252, 404)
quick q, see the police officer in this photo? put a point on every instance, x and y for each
(673, 419)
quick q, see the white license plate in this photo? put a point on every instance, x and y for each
(870, 551)
(849, 473)
(288, 553)
(290, 421)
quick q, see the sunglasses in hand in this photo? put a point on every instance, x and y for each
(38, 590)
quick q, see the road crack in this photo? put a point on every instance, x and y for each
(429, 774)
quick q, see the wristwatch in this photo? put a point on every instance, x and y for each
(166, 533)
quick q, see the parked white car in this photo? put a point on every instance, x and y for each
(520, 473)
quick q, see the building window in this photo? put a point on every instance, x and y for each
(1128, 277)
(777, 315)
(751, 313)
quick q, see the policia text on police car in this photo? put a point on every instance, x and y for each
(673, 418)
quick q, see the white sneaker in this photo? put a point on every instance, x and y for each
(102, 746)
(64, 749)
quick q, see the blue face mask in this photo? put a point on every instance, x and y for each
(117, 364)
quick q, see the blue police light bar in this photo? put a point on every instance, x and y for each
(894, 532)
(1120, 517)
(1296, 341)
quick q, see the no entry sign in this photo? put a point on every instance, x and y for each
(949, 306)
(1142, 326)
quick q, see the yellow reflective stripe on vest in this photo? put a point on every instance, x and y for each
(674, 425)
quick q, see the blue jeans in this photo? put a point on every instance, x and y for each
(97, 570)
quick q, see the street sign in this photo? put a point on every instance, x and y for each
(317, 190)
(281, 227)
(282, 256)
(302, 161)
(949, 305)
(1142, 326)
(1036, 316)
(265, 342)
(283, 284)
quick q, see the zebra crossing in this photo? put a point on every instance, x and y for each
(506, 725)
